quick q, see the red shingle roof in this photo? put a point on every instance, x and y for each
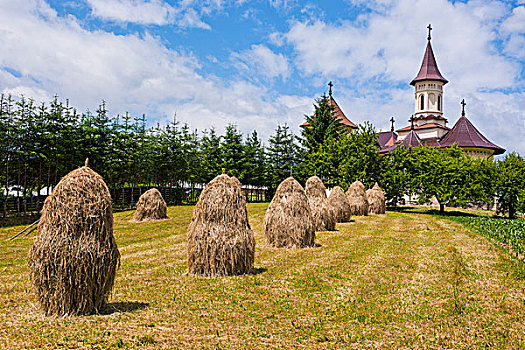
(424, 126)
(387, 138)
(465, 134)
(338, 113)
(411, 140)
(429, 69)
(429, 116)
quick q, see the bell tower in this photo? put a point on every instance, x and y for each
(428, 85)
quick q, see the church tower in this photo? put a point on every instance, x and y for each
(428, 85)
(427, 121)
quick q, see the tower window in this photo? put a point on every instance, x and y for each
(422, 102)
(439, 103)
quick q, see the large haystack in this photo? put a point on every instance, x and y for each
(322, 213)
(356, 195)
(74, 257)
(151, 206)
(288, 220)
(376, 200)
(340, 204)
(220, 240)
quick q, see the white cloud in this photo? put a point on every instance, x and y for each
(259, 60)
(372, 58)
(155, 12)
(136, 11)
(55, 55)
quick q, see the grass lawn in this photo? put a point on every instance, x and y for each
(400, 280)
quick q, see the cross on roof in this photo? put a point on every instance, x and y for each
(463, 104)
(392, 120)
(412, 122)
(429, 30)
(330, 91)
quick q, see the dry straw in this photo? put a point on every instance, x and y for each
(220, 240)
(376, 200)
(340, 204)
(74, 257)
(151, 206)
(288, 220)
(356, 195)
(322, 213)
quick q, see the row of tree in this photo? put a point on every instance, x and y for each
(41, 143)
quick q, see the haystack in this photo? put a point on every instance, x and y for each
(356, 195)
(340, 204)
(151, 206)
(220, 240)
(288, 220)
(74, 257)
(376, 200)
(322, 213)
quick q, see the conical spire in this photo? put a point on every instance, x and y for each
(429, 69)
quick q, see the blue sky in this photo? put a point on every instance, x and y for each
(261, 63)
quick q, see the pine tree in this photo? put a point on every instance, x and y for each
(282, 155)
(322, 125)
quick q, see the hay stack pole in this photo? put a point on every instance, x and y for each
(376, 200)
(151, 206)
(340, 204)
(220, 241)
(322, 213)
(74, 257)
(356, 195)
(288, 220)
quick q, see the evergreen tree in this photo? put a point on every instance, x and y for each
(232, 150)
(211, 157)
(254, 161)
(282, 155)
(322, 125)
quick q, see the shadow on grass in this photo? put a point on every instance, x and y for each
(257, 270)
(431, 211)
(123, 306)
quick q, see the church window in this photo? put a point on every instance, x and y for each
(439, 103)
(422, 102)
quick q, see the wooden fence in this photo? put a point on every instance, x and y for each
(126, 198)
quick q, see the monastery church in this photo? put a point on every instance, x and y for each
(428, 126)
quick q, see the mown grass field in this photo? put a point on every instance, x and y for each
(400, 280)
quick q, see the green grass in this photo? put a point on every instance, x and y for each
(401, 280)
(510, 232)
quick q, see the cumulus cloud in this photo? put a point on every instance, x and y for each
(56, 55)
(157, 12)
(262, 61)
(375, 57)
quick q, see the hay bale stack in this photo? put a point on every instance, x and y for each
(376, 200)
(220, 240)
(74, 257)
(356, 195)
(340, 205)
(151, 206)
(322, 213)
(288, 220)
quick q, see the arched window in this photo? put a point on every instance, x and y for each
(439, 103)
(422, 103)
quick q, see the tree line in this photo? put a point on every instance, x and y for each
(40, 143)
